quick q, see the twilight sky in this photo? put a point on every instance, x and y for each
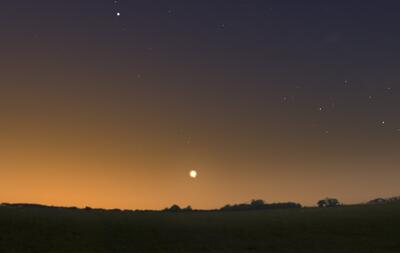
(111, 103)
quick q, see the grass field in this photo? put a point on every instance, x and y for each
(352, 229)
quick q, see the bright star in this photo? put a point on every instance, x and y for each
(193, 174)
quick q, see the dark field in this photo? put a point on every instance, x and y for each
(374, 228)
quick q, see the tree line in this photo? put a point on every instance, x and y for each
(255, 204)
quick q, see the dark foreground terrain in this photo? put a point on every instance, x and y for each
(369, 228)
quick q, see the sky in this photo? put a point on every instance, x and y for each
(112, 103)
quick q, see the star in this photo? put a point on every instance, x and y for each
(118, 14)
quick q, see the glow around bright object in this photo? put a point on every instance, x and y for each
(193, 174)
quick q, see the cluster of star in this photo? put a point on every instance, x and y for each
(317, 112)
(331, 105)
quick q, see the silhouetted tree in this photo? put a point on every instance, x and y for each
(257, 203)
(328, 202)
(173, 208)
(377, 201)
(187, 209)
(384, 201)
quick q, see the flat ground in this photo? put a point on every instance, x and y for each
(349, 229)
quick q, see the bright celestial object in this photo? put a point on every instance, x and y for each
(193, 174)
(118, 14)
